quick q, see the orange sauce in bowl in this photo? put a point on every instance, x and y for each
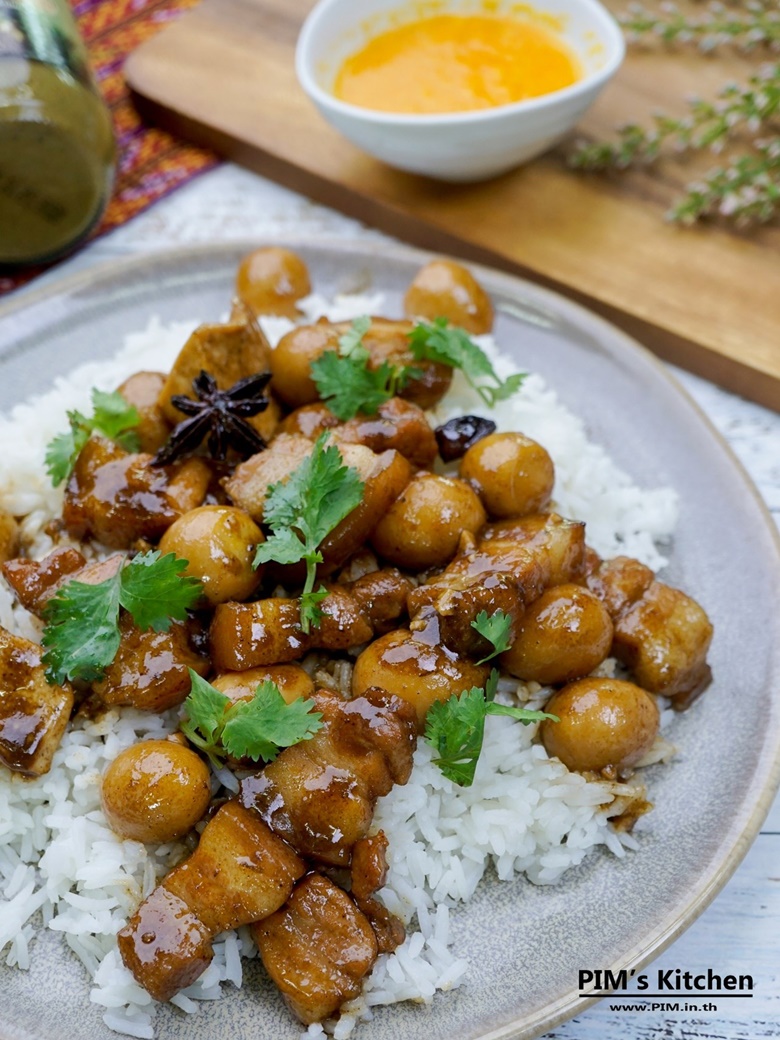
(457, 63)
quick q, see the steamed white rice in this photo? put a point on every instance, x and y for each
(61, 865)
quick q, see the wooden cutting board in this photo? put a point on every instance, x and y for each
(706, 298)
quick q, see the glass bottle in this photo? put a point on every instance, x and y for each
(56, 138)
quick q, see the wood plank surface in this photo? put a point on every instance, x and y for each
(706, 298)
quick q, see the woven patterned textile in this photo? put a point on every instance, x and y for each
(150, 162)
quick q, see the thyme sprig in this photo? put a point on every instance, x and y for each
(746, 187)
(709, 125)
(744, 25)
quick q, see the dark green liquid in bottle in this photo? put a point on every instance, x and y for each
(56, 140)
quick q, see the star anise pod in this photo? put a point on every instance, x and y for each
(220, 415)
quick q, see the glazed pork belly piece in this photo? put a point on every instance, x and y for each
(661, 634)
(248, 485)
(120, 498)
(33, 712)
(368, 868)
(34, 582)
(142, 390)
(165, 945)
(619, 582)
(320, 794)
(384, 477)
(229, 352)
(509, 567)
(268, 631)
(398, 424)
(557, 544)
(247, 861)
(239, 873)
(150, 669)
(317, 949)
(368, 873)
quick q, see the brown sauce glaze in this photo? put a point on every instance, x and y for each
(35, 581)
(165, 945)
(33, 713)
(320, 794)
(119, 498)
(317, 949)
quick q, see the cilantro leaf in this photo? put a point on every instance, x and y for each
(351, 343)
(283, 546)
(255, 729)
(348, 385)
(524, 715)
(455, 728)
(331, 489)
(156, 591)
(497, 629)
(316, 497)
(504, 390)
(81, 633)
(260, 727)
(205, 707)
(63, 450)
(81, 636)
(451, 345)
(111, 416)
(346, 382)
(115, 418)
(302, 511)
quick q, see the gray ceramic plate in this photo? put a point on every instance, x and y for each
(525, 944)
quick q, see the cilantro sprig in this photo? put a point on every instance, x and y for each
(451, 345)
(497, 629)
(348, 385)
(345, 381)
(351, 342)
(455, 728)
(255, 729)
(81, 635)
(111, 416)
(302, 511)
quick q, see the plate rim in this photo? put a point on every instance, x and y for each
(722, 867)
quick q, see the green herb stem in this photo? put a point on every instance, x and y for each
(742, 116)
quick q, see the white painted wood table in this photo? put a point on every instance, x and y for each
(740, 932)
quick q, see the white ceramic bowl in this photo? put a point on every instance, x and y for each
(465, 146)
